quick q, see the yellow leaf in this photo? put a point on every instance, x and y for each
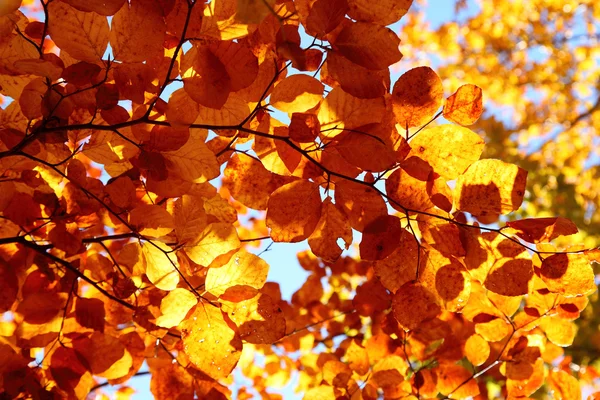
(568, 274)
(151, 220)
(449, 149)
(215, 240)
(341, 110)
(210, 343)
(174, 307)
(490, 188)
(161, 265)
(465, 106)
(189, 217)
(259, 319)
(297, 93)
(239, 279)
(194, 161)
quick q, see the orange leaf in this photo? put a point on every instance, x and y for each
(406, 191)
(189, 217)
(357, 146)
(568, 274)
(400, 266)
(361, 203)
(210, 343)
(449, 149)
(416, 96)
(294, 211)
(239, 279)
(102, 7)
(239, 61)
(380, 238)
(371, 298)
(325, 16)
(151, 220)
(194, 161)
(465, 106)
(182, 109)
(9, 286)
(105, 354)
(66, 368)
(297, 93)
(250, 183)
(259, 319)
(84, 35)
(539, 230)
(490, 188)
(564, 385)
(372, 46)
(171, 381)
(357, 358)
(138, 31)
(384, 12)
(356, 80)
(477, 350)
(336, 373)
(216, 239)
(90, 313)
(174, 307)
(333, 225)
(161, 265)
(304, 127)
(528, 384)
(413, 304)
(341, 110)
(451, 382)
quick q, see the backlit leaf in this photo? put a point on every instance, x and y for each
(384, 12)
(477, 350)
(84, 35)
(137, 31)
(297, 93)
(259, 319)
(293, 211)
(174, 307)
(210, 343)
(565, 386)
(332, 226)
(215, 240)
(537, 230)
(465, 105)
(239, 279)
(449, 149)
(372, 46)
(161, 265)
(193, 162)
(490, 188)
(413, 304)
(416, 96)
(568, 274)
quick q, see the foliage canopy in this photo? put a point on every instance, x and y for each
(150, 146)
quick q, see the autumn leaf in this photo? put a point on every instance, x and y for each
(211, 344)
(155, 154)
(464, 106)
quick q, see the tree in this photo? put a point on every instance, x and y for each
(142, 159)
